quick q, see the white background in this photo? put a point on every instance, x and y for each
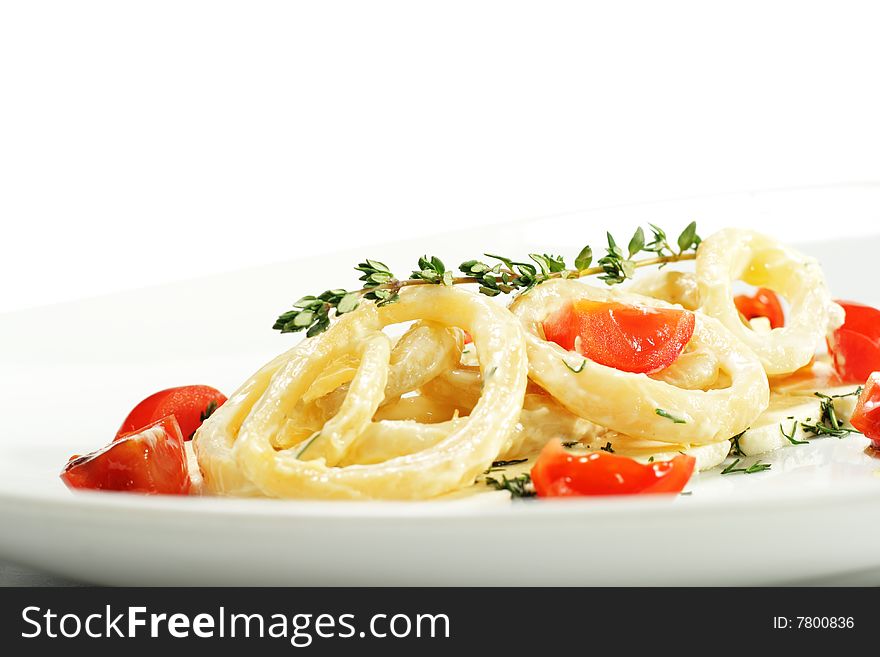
(142, 142)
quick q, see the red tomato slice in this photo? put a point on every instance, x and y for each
(191, 405)
(629, 338)
(855, 346)
(150, 461)
(560, 473)
(866, 417)
(765, 303)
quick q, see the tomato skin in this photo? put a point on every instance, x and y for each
(186, 403)
(638, 339)
(151, 461)
(560, 473)
(855, 346)
(866, 417)
(765, 303)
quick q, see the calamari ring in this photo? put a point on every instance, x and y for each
(733, 254)
(541, 419)
(627, 402)
(235, 449)
(460, 386)
(425, 351)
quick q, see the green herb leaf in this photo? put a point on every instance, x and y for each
(669, 416)
(584, 258)
(308, 444)
(637, 243)
(209, 410)
(502, 464)
(519, 486)
(580, 368)
(347, 303)
(688, 238)
(432, 270)
(757, 466)
(735, 448)
(828, 424)
(205, 414)
(790, 436)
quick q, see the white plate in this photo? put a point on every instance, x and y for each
(70, 373)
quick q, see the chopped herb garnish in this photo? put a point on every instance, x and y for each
(757, 466)
(205, 414)
(571, 443)
(828, 424)
(607, 448)
(308, 444)
(790, 436)
(669, 416)
(500, 465)
(735, 449)
(209, 411)
(854, 393)
(519, 486)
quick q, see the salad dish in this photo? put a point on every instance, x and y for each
(632, 372)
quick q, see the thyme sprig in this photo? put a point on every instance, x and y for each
(432, 270)
(501, 275)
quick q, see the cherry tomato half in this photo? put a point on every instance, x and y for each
(866, 417)
(560, 473)
(855, 346)
(150, 461)
(629, 338)
(191, 405)
(765, 303)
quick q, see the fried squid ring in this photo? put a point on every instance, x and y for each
(628, 402)
(735, 254)
(235, 445)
